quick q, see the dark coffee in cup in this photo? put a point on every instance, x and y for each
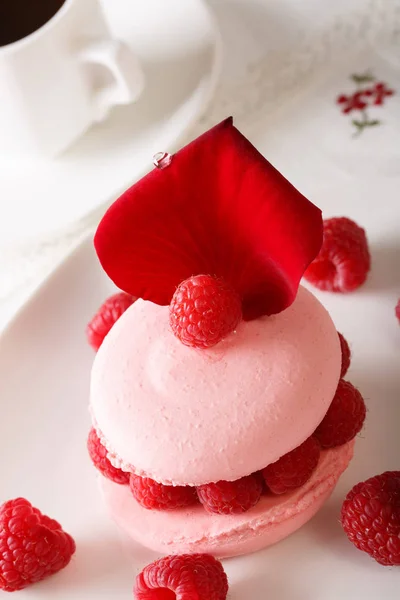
(19, 18)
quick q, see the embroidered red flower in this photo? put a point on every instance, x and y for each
(380, 91)
(353, 102)
(220, 208)
(364, 98)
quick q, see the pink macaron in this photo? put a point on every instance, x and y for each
(190, 417)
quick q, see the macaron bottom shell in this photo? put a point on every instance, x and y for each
(192, 530)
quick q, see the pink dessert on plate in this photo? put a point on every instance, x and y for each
(221, 419)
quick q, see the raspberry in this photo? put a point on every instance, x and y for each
(98, 454)
(108, 313)
(344, 260)
(371, 517)
(346, 355)
(344, 419)
(153, 495)
(32, 546)
(184, 577)
(293, 469)
(264, 487)
(203, 311)
(397, 311)
(230, 497)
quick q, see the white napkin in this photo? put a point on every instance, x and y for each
(324, 150)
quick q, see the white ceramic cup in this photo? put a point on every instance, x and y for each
(57, 81)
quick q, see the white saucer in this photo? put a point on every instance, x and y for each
(180, 49)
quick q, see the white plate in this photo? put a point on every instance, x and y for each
(180, 49)
(44, 373)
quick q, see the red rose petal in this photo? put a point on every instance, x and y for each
(219, 208)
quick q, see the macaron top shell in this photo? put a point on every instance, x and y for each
(184, 416)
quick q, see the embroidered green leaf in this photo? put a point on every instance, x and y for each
(373, 123)
(364, 78)
(358, 124)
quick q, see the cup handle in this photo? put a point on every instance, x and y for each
(128, 79)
